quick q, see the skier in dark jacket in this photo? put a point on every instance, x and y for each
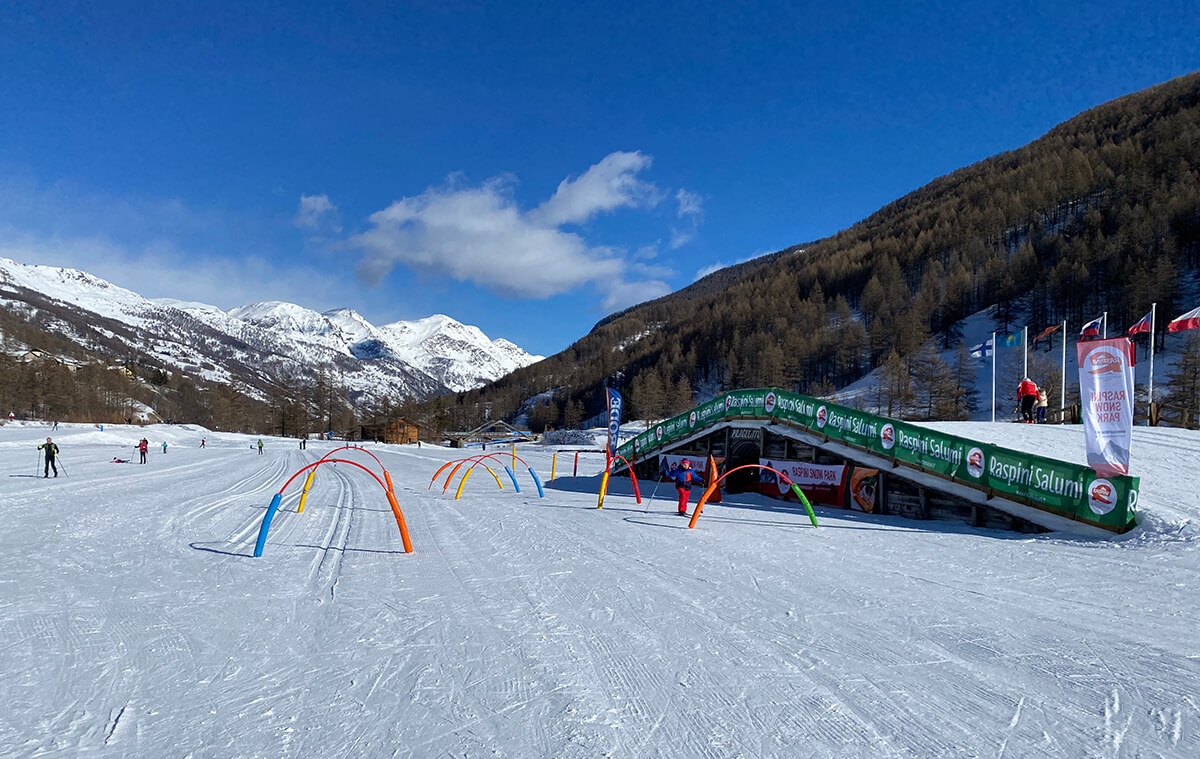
(683, 476)
(51, 449)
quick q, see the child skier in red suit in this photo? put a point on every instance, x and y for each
(683, 477)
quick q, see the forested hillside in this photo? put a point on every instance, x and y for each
(1100, 214)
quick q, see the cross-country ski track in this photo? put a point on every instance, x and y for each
(135, 622)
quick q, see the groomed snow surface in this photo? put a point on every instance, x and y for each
(134, 621)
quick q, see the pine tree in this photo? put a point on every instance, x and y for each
(1183, 385)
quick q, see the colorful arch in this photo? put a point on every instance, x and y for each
(604, 480)
(463, 482)
(311, 469)
(308, 482)
(708, 491)
(478, 459)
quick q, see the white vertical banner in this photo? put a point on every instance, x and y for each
(1106, 396)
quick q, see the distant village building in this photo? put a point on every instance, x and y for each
(36, 355)
(399, 431)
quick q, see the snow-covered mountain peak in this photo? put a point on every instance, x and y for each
(260, 342)
(352, 325)
(195, 308)
(278, 315)
(68, 285)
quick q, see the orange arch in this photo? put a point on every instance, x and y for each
(709, 491)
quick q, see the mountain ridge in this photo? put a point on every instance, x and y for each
(266, 342)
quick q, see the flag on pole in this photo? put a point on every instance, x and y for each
(1012, 341)
(615, 404)
(1092, 329)
(1047, 332)
(983, 350)
(1190, 320)
(1142, 326)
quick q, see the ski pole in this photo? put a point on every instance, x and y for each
(58, 460)
(654, 493)
(38, 463)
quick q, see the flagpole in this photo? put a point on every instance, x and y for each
(1025, 349)
(993, 377)
(1062, 393)
(1153, 308)
(1105, 321)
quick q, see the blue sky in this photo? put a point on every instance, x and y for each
(527, 168)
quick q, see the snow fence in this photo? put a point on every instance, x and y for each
(1070, 490)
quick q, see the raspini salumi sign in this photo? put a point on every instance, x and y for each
(1106, 391)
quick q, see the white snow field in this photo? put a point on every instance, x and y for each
(134, 621)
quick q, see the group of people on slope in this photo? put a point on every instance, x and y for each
(1033, 402)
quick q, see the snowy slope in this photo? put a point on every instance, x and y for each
(135, 622)
(259, 344)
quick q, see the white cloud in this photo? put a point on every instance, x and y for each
(690, 208)
(690, 204)
(312, 209)
(610, 184)
(480, 234)
(161, 270)
(681, 237)
(621, 295)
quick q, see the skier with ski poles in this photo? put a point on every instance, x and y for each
(51, 449)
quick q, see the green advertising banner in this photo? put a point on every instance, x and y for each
(1053, 485)
(928, 449)
(1070, 490)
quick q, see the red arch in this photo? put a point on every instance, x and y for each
(796, 488)
(356, 448)
(327, 460)
(632, 475)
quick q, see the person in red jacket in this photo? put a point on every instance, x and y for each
(683, 477)
(1027, 394)
(143, 446)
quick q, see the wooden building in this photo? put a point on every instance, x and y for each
(400, 431)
